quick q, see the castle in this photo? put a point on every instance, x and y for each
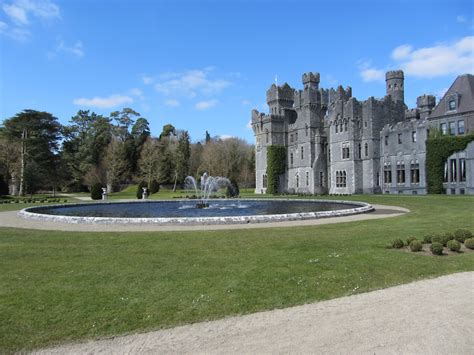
(338, 145)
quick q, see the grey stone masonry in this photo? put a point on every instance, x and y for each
(339, 145)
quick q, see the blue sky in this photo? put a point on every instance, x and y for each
(203, 65)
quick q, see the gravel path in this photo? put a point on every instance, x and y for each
(434, 316)
(10, 219)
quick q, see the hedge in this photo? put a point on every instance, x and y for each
(276, 163)
(438, 150)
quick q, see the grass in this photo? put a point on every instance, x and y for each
(58, 287)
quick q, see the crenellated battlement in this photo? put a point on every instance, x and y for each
(426, 101)
(284, 93)
(310, 78)
(394, 74)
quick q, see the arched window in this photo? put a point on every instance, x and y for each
(366, 149)
(297, 180)
(360, 151)
(302, 153)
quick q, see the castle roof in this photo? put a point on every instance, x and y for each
(463, 87)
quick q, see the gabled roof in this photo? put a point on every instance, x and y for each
(463, 86)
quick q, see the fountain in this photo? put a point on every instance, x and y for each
(208, 185)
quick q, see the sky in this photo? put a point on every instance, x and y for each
(204, 65)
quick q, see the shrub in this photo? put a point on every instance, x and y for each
(469, 243)
(410, 239)
(96, 191)
(154, 187)
(140, 187)
(462, 234)
(454, 245)
(3, 186)
(397, 243)
(436, 238)
(427, 239)
(446, 237)
(232, 189)
(436, 248)
(416, 245)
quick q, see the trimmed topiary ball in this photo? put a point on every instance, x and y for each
(436, 248)
(96, 191)
(454, 245)
(416, 245)
(469, 243)
(397, 243)
(446, 237)
(462, 234)
(436, 238)
(410, 239)
(427, 239)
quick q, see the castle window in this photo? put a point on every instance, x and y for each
(462, 169)
(445, 175)
(307, 178)
(360, 151)
(399, 138)
(321, 179)
(267, 136)
(400, 172)
(291, 138)
(452, 105)
(345, 126)
(461, 127)
(366, 148)
(387, 173)
(365, 124)
(386, 140)
(341, 179)
(302, 153)
(264, 181)
(297, 180)
(443, 128)
(452, 128)
(329, 154)
(345, 150)
(291, 159)
(413, 136)
(453, 173)
(415, 172)
(337, 126)
(296, 136)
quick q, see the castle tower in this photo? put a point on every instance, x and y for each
(425, 104)
(279, 97)
(394, 85)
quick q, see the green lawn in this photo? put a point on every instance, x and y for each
(57, 287)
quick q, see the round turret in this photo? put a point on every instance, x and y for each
(394, 81)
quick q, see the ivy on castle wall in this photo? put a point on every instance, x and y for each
(438, 150)
(276, 164)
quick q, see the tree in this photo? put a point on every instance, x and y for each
(38, 134)
(149, 161)
(115, 163)
(168, 130)
(208, 137)
(183, 153)
(140, 132)
(124, 119)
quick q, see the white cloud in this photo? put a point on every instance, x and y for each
(19, 10)
(401, 52)
(76, 49)
(16, 14)
(225, 136)
(245, 102)
(369, 73)
(104, 102)
(249, 125)
(136, 92)
(204, 105)
(461, 19)
(147, 79)
(190, 83)
(172, 103)
(443, 59)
